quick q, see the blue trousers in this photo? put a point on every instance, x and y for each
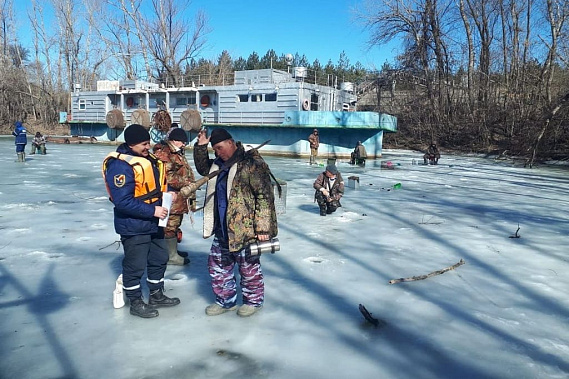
(143, 252)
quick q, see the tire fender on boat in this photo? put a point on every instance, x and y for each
(305, 104)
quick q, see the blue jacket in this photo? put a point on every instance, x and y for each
(132, 216)
(20, 133)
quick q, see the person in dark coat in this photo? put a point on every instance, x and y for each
(329, 187)
(314, 141)
(432, 154)
(359, 154)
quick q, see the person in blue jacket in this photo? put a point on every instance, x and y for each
(21, 140)
(135, 181)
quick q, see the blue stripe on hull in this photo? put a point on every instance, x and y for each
(291, 140)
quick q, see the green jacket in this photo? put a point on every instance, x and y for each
(251, 207)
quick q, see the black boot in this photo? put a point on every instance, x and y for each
(183, 254)
(139, 308)
(158, 299)
(323, 210)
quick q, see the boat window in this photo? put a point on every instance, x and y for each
(314, 102)
(82, 104)
(242, 98)
(270, 97)
(183, 101)
(256, 97)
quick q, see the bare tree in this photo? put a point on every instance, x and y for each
(171, 40)
(557, 12)
(123, 34)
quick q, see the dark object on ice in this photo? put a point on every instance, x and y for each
(421, 277)
(368, 316)
(516, 235)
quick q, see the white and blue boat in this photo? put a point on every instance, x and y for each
(253, 105)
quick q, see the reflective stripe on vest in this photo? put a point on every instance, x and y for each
(145, 183)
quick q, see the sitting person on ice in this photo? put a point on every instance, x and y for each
(38, 143)
(329, 187)
(432, 155)
(359, 155)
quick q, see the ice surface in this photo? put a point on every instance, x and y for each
(503, 314)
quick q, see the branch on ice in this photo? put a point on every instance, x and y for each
(421, 277)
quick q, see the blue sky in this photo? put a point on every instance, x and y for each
(319, 29)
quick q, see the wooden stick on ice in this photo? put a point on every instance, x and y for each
(421, 277)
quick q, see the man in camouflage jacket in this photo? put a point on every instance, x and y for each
(238, 210)
(314, 141)
(178, 175)
(329, 187)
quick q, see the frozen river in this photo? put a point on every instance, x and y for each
(503, 314)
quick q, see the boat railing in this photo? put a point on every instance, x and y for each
(224, 79)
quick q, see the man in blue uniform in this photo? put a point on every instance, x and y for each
(135, 181)
(21, 140)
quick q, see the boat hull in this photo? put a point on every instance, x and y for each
(339, 133)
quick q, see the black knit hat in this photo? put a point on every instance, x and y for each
(178, 134)
(219, 135)
(136, 134)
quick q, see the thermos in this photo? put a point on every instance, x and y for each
(260, 247)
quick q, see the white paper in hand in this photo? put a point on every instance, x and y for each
(166, 203)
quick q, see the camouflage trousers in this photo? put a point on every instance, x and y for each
(174, 222)
(313, 155)
(221, 265)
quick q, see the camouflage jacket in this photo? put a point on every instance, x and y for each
(250, 198)
(314, 141)
(337, 190)
(178, 174)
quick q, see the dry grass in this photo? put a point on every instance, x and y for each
(42, 127)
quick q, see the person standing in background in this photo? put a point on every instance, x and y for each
(314, 141)
(20, 133)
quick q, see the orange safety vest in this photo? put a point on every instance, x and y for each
(145, 183)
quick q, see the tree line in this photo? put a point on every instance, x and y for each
(480, 75)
